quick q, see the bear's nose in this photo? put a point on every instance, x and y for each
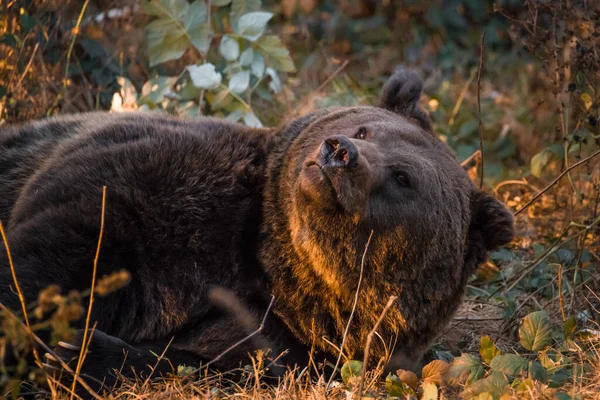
(339, 151)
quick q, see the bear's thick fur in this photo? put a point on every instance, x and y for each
(197, 204)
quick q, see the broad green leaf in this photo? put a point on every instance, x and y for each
(229, 48)
(539, 162)
(535, 331)
(200, 37)
(239, 82)
(395, 387)
(251, 120)
(537, 371)
(258, 65)
(171, 9)
(241, 7)
(220, 3)
(487, 349)
(495, 384)
(252, 25)
(178, 25)
(236, 115)
(430, 391)
(172, 47)
(435, 372)
(508, 364)
(204, 76)
(559, 378)
(246, 57)
(349, 369)
(465, 369)
(275, 84)
(195, 15)
(276, 55)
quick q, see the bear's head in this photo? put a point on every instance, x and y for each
(345, 175)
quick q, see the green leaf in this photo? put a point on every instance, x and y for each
(236, 115)
(178, 25)
(9, 39)
(509, 364)
(258, 65)
(241, 7)
(173, 9)
(246, 57)
(569, 326)
(220, 3)
(27, 23)
(351, 368)
(229, 48)
(466, 368)
(275, 84)
(239, 82)
(562, 396)
(251, 120)
(200, 38)
(204, 76)
(276, 55)
(535, 331)
(537, 371)
(395, 387)
(495, 384)
(171, 48)
(487, 349)
(539, 162)
(195, 15)
(252, 25)
(197, 27)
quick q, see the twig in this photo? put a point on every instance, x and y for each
(28, 65)
(84, 341)
(322, 86)
(550, 251)
(389, 304)
(566, 171)
(461, 97)
(560, 295)
(481, 65)
(362, 269)
(14, 276)
(75, 33)
(470, 158)
(52, 353)
(250, 336)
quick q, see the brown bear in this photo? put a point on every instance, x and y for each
(204, 203)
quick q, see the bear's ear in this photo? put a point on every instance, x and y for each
(401, 94)
(491, 227)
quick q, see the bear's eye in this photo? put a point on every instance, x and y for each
(362, 133)
(402, 179)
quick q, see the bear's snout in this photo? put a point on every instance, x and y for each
(338, 152)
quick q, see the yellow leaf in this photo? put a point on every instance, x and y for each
(408, 377)
(587, 100)
(435, 372)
